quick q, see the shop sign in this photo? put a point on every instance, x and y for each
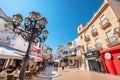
(108, 55)
(35, 49)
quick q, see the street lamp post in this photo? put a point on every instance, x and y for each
(32, 32)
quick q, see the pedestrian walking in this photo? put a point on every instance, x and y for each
(62, 65)
(77, 64)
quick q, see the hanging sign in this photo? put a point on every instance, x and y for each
(35, 49)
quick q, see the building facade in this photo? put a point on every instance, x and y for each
(74, 54)
(99, 34)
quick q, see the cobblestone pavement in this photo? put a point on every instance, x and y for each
(77, 74)
(47, 74)
(74, 74)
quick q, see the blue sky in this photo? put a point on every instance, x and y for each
(63, 16)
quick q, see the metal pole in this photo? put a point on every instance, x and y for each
(25, 61)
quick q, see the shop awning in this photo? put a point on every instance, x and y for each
(57, 60)
(74, 57)
(36, 59)
(4, 53)
(92, 58)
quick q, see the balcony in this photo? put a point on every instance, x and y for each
(98, 46)
(87, 38)
(117, 31)
(94, 32)
(105, 24)
(112, 41)
(90, 49)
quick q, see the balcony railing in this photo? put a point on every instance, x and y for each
(117, 31)
(87, 38)
(105, 23)
(98, 46)
(89, 48)
(112, 41)
(94, 32)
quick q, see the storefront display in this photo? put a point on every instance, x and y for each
(94, 61)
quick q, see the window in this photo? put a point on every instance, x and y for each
(110, 34)
(88, 45)
(102, 17)
(86, 35)
(93, 27)
(103, 20)
(97, 41)
(111, 37)
(81, 36)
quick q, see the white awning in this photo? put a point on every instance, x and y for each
(19, 53)
(4, 53)
(57, 60)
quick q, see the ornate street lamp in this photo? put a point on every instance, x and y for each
(33, 32)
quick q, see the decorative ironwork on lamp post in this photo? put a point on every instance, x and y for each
(33, 31)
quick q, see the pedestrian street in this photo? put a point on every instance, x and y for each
(49, 73)
(79, 74)
(73, 74)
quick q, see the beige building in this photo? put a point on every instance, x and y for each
(74, 53)
(103, 30)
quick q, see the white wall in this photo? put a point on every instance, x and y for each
(20, 44)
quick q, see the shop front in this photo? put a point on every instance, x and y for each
(93, 61)
(74, 61)
(8, 56)
(111, 60)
